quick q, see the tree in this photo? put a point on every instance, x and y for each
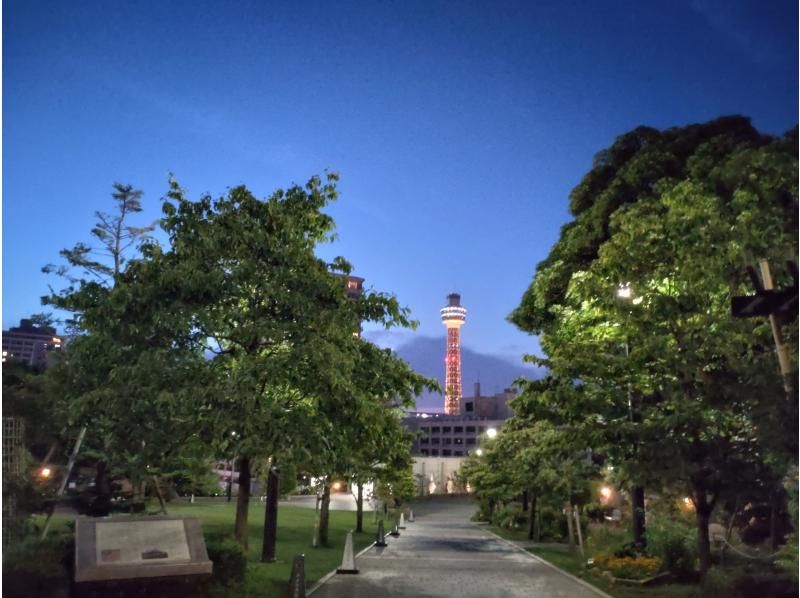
(123, 377)
(274, 316)
(675, 215)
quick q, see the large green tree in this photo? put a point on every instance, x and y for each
(673, 388)
(276, 319)
(125, 376)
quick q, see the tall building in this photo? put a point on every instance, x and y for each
(30, 343)
(453, 317)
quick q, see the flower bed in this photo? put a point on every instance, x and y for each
(633, 568)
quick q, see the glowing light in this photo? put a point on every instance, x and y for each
(491, 432)
(337, 486)
(687, 502)
(45, 472)
(479, 452)
(605, 492)
(624, 291)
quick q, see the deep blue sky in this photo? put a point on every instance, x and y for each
(458, 127)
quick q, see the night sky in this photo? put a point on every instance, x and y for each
(458, 128)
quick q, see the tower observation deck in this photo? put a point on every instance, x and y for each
(453, 317)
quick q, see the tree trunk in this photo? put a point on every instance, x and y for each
(703, 516)
(102, 487)
(568, 510)
(360, 508)
(639, 532)
(532, 522)
(774, 507)
(243, 501)
(524, 500)
(324, 514)
(229, 491)
(538, 535)
(271, 515)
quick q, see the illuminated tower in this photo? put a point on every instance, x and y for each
(453, 317)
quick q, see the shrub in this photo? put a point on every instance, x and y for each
(717, 584)
(510, 517)
(230, 561)
(675, 544)
(627, 567)
(34, 567)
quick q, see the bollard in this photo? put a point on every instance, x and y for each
(348, 559)
(380, 538)
(411, 516)
(297, 581)
(402, 524)
(394, 533)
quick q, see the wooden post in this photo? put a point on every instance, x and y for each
(70, 465)
(568, 510)
(780, 347)
(578, 528)
(160, 496)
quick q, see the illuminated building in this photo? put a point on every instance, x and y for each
(30, 344)
(453, 317)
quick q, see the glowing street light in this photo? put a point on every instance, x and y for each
(606, 492)
(45, 472)
(479, 452)
(491, 432)
(624, 291)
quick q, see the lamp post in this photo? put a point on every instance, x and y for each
(625, 293)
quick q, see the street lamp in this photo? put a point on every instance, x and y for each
(491, 433)
(479, 452)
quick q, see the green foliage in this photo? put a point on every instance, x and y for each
(288, 479)
(717, 583)
(667, 386)
(510, 516)
(34, 568)
(230, 561)
(789, 560)
(674, 543)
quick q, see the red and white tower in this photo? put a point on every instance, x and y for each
(453, 317)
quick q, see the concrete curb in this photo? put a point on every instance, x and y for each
(322, 580)
(586, 584)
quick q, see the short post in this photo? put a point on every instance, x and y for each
(380, 537)
(297, 580)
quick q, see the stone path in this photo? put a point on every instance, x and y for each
(443, 554)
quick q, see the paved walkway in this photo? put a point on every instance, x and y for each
(443, 554)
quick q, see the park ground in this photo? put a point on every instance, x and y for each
(442, 547)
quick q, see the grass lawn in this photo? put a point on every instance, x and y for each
(295, 528)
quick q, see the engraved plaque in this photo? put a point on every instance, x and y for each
(139, 548)
(129, 542)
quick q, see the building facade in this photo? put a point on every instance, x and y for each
(444, 435)
(30, 344)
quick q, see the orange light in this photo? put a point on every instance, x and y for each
(605, 492)
(45, 472)
(337, 486)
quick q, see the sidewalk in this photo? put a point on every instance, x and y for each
(443, 554)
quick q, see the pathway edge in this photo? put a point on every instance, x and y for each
(327, 576)
(549, 564)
